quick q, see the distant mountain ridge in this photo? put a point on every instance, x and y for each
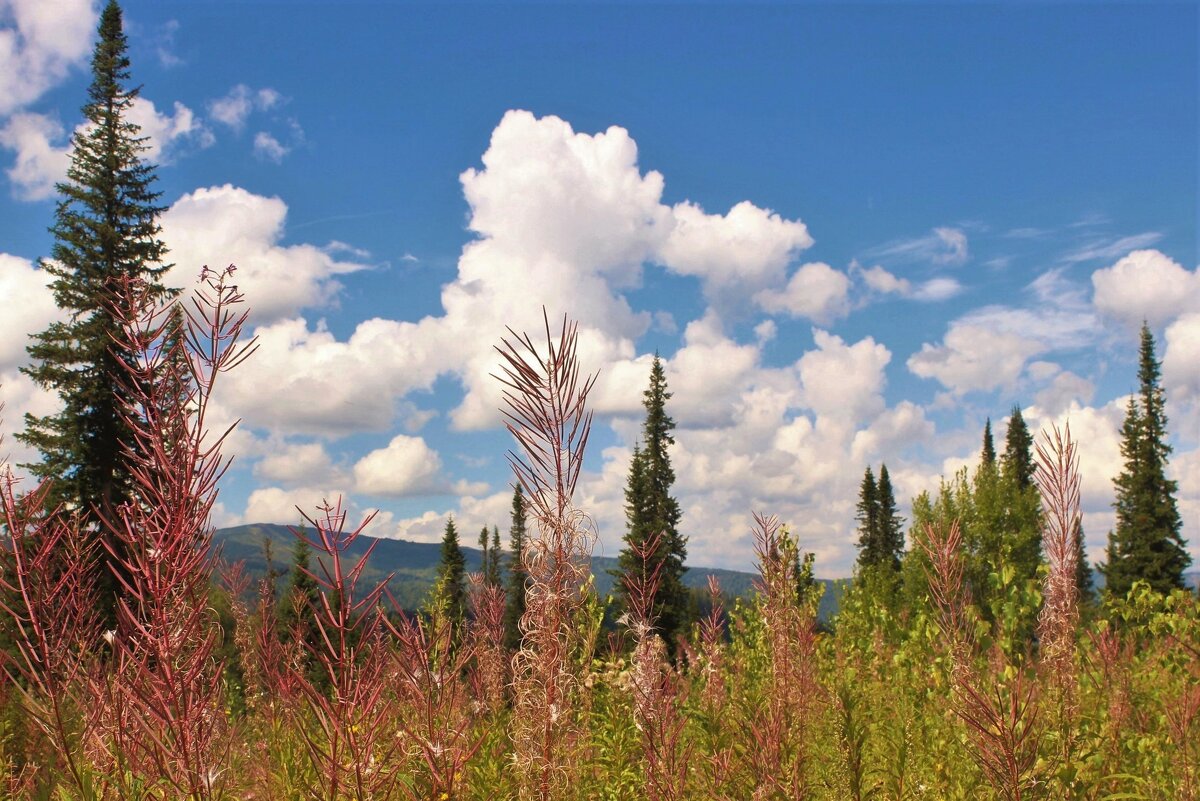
(415, 564)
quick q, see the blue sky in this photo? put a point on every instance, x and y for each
(853, 232)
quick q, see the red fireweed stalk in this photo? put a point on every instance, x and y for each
(944, 574)
(655, 684)
(48, 592)
(712, 651)
(1057, 478)
(547, 414)
(435, 719)
(352, 747)
(780, 729)
(166, 681)
(489, 675)
(1000, 716)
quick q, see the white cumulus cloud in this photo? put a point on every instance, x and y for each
(407, 466)
(1146, 285)
(40, 42)
(226, 224)
(21, 280)
(815, 291)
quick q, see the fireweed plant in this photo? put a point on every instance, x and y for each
(236, 690)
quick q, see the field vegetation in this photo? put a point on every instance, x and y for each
(210, 687)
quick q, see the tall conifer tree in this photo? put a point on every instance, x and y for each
(1083, 571)
(1018, 451)
(880, 527)
(517, 575)
(988, 457)
(1146, 543)
(491, 571)
(651, 510)
(484, 555)
(105, 232)
(452, 575)
(868, 520)
(891, 524)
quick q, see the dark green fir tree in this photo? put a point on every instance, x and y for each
(1146, 544)
(891, 524)
(1083, 571)
(652, 512)
(868, 520)
(1017, 462)
(492, 570)
(880, 526)
(106, 232)
(485, 537)
(517, 575)
(988, 456)
(452, 575)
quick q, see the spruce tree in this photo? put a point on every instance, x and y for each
(484, 537)
(891, 524)
(452, 575)
(1146, 543)
(517, 575)
(868, 520)
(105, 232)
(1017, 461)
(491, 572)
(988, 456)
(880, 527)
(1083, 572)
(651, 511)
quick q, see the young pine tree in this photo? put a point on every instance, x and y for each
(517, 575)
(650, 511)
(452, 575)
(1146, 543)
(105, 232)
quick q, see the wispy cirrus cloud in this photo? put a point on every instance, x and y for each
(1107, 249)
(943, 246)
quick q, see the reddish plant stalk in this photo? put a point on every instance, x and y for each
(1000, 716)
(436, 716)
(353, 745)
(547, 415)
(712, 650)
(489, 676)
(48, 592)
(1057, 478)
(780, 729)
(168, 681)
(656, 685)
